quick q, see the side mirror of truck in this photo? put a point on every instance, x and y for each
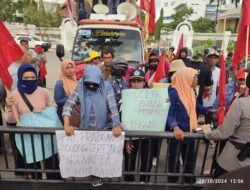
(60, 51)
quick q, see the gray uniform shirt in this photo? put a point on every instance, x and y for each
(236, 124)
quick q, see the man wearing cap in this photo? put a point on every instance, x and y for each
(94, 58)
(117, 79)
(208, 99)
(204, 75)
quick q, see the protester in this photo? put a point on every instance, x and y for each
(94, 58)
(137, 81)
(175, 66)
(209, 98)
(183, 54)
(229, 67)
(97, 100)
(13, 68)
(182, 118)
(39, 99)
(234, 89)
(236, 127)
(171, 54)
(107, 58)
(152, 66)
(65, 86)
(204, 75)
(117, 79)
(42, 70)
(34, 58)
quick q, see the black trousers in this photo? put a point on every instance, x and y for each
(48, 164)
(145, 159)
(186, 150)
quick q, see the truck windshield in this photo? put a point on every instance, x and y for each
(124, 43)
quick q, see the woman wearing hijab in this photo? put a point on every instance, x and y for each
(39, 98)
(65, 86)
(182, 118)
(97, 105)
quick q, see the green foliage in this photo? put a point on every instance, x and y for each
(209, 43)
(158, 26)
(178, 17)
(37, 15)
(142, 16)
(7, 10)
(230, 46)
(203, 25)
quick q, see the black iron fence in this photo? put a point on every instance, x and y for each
(176, 164)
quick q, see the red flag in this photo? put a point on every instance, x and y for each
(160, 72)
(9, 52)
(151, 23)
(181, 44)
(145, 5)
(240, 48)
(222, 91)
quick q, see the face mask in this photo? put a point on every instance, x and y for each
(27, 86)
(91, 87)
(153, 67)
(118, 72)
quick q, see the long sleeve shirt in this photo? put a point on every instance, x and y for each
(111, 103)
(177, 114)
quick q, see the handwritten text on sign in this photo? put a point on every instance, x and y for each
(85, 153)
(145, 109)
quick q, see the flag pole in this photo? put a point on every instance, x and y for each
(246, 58)
(247, 46)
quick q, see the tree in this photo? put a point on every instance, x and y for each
(7, 10)
(203, 25)
(158, 26)
(142, 16)
(178, 17)
(38, 16)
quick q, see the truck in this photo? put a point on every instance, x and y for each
(124, 37)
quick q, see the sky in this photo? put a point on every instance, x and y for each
(158, 7)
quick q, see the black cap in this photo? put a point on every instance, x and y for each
(137, 75)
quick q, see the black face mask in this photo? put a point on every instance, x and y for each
(153, 67)
(118, 72)
(91, 86)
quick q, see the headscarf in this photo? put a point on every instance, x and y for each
(69, 83)
(26, 86)
(182, 81)
(97, 98)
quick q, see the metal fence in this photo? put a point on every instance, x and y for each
(138, 172)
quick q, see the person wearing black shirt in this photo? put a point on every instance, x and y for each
(204, 75)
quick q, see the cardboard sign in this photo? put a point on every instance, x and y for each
(144, 109)
(85, 153)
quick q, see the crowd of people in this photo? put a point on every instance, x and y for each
(94, 101)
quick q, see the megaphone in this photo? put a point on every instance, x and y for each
(127, 9)
(101, 9)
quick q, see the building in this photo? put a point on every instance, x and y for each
(171, 6)
(229, 20)
(202, 8)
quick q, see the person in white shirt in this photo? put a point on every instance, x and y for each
(212, 61)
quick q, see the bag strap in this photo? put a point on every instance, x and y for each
(25, 99)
